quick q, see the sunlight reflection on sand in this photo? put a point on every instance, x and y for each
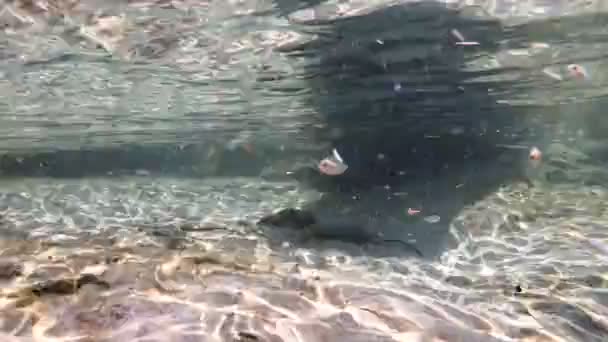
(528, 279)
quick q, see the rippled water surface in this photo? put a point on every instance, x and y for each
(159, 181)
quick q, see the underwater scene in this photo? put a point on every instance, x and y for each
(284, 170)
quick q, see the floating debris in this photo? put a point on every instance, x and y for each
(243, 141)
(535, 153)
(512, 147)
(461, 40)
(578, 71)
(432, 219)
(552, 74)
(535, 156)
(413, 212)
(467, 43)
(457, 35)
(539, 45)
(333, 165)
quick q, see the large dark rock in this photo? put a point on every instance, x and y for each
(10, 269)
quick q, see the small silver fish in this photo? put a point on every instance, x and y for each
(332, 165)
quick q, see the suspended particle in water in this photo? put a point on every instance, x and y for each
(461, 40)
(249, 148)
(333, 165)
(539, 45)
(432, 219)
(412, 212)
(467, 43)
(457, 35)
(457, 130)
(578, 71)
(142, 172)
(535, 154)
(397, 87)
(552, 74)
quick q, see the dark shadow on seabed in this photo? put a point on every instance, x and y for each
(396, 104)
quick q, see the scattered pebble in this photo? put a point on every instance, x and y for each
(10, 269)
(458, 130)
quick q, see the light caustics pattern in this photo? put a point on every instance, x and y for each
(138, 260)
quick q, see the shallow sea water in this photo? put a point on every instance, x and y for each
(141, 157)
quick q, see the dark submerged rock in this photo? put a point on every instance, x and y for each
(66, 286)
(345, 231)
(10, 269)
(289, 217)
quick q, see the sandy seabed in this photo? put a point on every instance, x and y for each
(178, 260)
